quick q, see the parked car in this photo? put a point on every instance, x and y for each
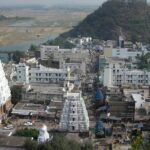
(8, 127)
(28, 123)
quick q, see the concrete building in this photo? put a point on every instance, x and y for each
(5, 94)
(73, 55)
(78, 67)
(46, 50)
(125, 53)
(74, 117)
(22, 71)
(44, 93)
(122, 109)
(39, 74)
(139, 101)
(124, 76)
(55, 53)
(115, 62)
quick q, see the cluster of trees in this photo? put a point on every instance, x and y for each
(114, 18)
(63, 43)
(16, 94)
(17, 55)
(59, 142)
(27, 133)
(143, 61)
(137, 142)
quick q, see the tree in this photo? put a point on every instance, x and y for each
(16, 92)
(33, 47)
(63, 43)
(27, 133)
(17, 55)
(31, 145)
(143, 61)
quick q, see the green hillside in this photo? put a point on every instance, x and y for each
(115, 18)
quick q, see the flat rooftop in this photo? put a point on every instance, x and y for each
(46, 88)
(12, 141)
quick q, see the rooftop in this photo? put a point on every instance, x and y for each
(46, 88)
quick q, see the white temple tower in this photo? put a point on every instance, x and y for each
(5, 94)
(74, 116)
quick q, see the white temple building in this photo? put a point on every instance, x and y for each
(43, 135)
(74, 117)
(5, 94)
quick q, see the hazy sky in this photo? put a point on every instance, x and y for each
(49, 2)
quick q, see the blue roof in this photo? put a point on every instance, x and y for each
(99, 125)
(99, 95)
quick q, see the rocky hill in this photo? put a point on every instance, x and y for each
(116, 18)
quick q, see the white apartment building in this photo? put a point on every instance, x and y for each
(74, 117)
(5, 94)
(124, 53)
(22, 71)
(124, 76)
(39, 74)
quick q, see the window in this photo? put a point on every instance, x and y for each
(113, 65)
(19, 71)
(73, 128)
(73, 119)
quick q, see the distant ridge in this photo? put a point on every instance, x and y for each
(113, 18)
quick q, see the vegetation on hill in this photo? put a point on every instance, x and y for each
(59, 142)
(61, 42)
(115, 18)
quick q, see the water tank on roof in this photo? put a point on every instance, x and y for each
(99, 125)
(99, 95)
(99, 129)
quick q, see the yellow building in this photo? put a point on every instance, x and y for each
(108, 51)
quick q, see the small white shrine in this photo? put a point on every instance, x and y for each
(43, 135)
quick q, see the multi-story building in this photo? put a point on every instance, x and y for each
(124, 76)
(74, 117)
(56, 54)
(46, 50)
(39, 74)
(122, 109)
(5, 94)
(125, 53)
(115, 62)
(75, 66)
